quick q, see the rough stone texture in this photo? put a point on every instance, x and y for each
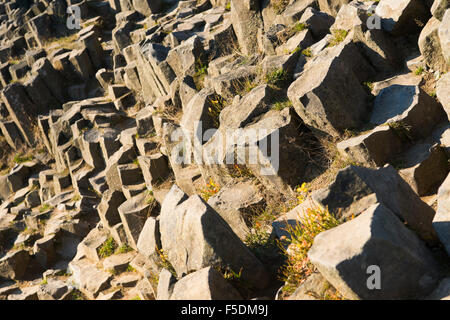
(376, 237)
(200, 232)
(413, 108)
(444, 37)
(439, 7)
(235, 203)
(326, 86)
(246, 20)
(331, 6)
(430, 45)
(205, 284)
(149, 239)
(133, 213)
(355, 188)
(442, 90)
(441, 221)
(399, 17)
(14, 264)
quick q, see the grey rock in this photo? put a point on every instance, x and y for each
(399, 17)
(205, 284)
(441, 221)
(375, 238)
(198, 234)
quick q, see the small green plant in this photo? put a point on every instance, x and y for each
(339, 35)
(419, 71)
(228, 6)
(130, 269)
(296, 247)
(248, 86)
(297, 49)
(299, 27)
(107, 248)
(307, 52)
(124, 249)
(44, 281)
(136, 161)
(136, 298)
(201, 70)
(280, 105)
(77, 295)
(45, 207)
(368, 85)
(21, 158)
(276, 77)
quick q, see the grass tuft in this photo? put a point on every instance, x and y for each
(107, 248)
(338, 36)
(296, 247)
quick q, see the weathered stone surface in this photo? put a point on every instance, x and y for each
(235, 203)
(425, 167)
(14, 264)
(155, 73)
(441, 221)
(444, 37)
(154, 169)
(409, 107)
(147, 7)
(118, 263)
(91, 245)
(192, 234)
(313, 288)
(442, 90)
(301, 40)
(11, 134)
(149, 239)
(376, 146)
(355, 188)
(54, 290)
(107, 209)
(280, 171)
(246, 20)
(90, 149)
(331, 6)
(399, 17)
(205, 284)
(27, 293)
(320, 105)
(165, 285)
(88, 278)
(430, 45)
(318, 22)
(184, 58)
(375, 238)
(134, 213)
(21, 110)
(231, 83)
(439, 7)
